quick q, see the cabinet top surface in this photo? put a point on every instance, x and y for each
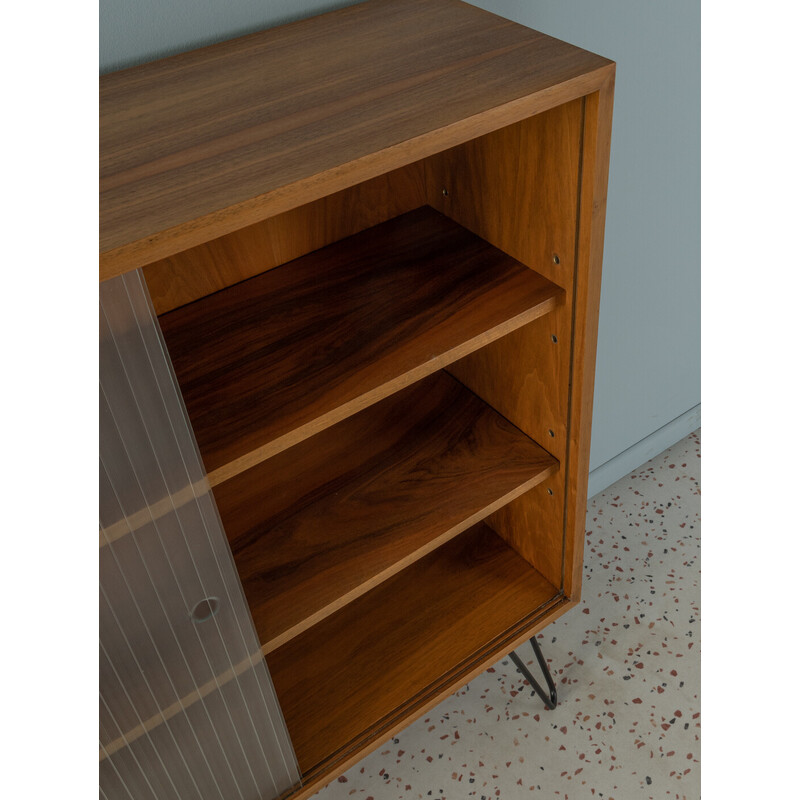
(202, 143)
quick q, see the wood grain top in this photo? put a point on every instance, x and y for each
(322, 523)
(275, 359)
(351, 674)
(200, 144)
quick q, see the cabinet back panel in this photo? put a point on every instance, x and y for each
(215, 265)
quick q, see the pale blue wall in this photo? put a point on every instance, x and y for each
(647, 392)
(135, 31)
(647, 384)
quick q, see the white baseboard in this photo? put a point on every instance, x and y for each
(628, 460)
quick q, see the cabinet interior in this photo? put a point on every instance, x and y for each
(403, 523)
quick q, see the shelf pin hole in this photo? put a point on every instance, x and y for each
(445, 193)
(554, 338)
(552, 433)
(205, 609)
(556, 259)
(550, 492)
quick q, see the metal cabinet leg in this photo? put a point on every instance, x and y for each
(550, 701)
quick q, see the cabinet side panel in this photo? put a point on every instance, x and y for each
(207, 268)
(518, 188)
(187, 707)
(591, 230)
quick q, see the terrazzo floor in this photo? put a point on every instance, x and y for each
(626, 663)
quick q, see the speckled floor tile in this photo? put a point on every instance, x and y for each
(626, 661)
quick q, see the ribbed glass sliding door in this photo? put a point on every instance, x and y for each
(187, 707)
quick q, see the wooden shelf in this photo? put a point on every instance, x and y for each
(317, 526)
(272, 360)
(378, 657)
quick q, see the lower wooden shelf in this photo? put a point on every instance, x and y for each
(379, 497)
(319, 525)
(377, 662)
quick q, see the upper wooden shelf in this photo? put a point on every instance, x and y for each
(275, 359)
(203, 143)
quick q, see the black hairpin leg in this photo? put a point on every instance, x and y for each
(551, 701)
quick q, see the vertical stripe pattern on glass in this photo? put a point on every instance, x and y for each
(187, 706)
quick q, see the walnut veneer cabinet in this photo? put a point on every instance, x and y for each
(373, 240)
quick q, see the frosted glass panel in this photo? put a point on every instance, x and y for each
(187, 706)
